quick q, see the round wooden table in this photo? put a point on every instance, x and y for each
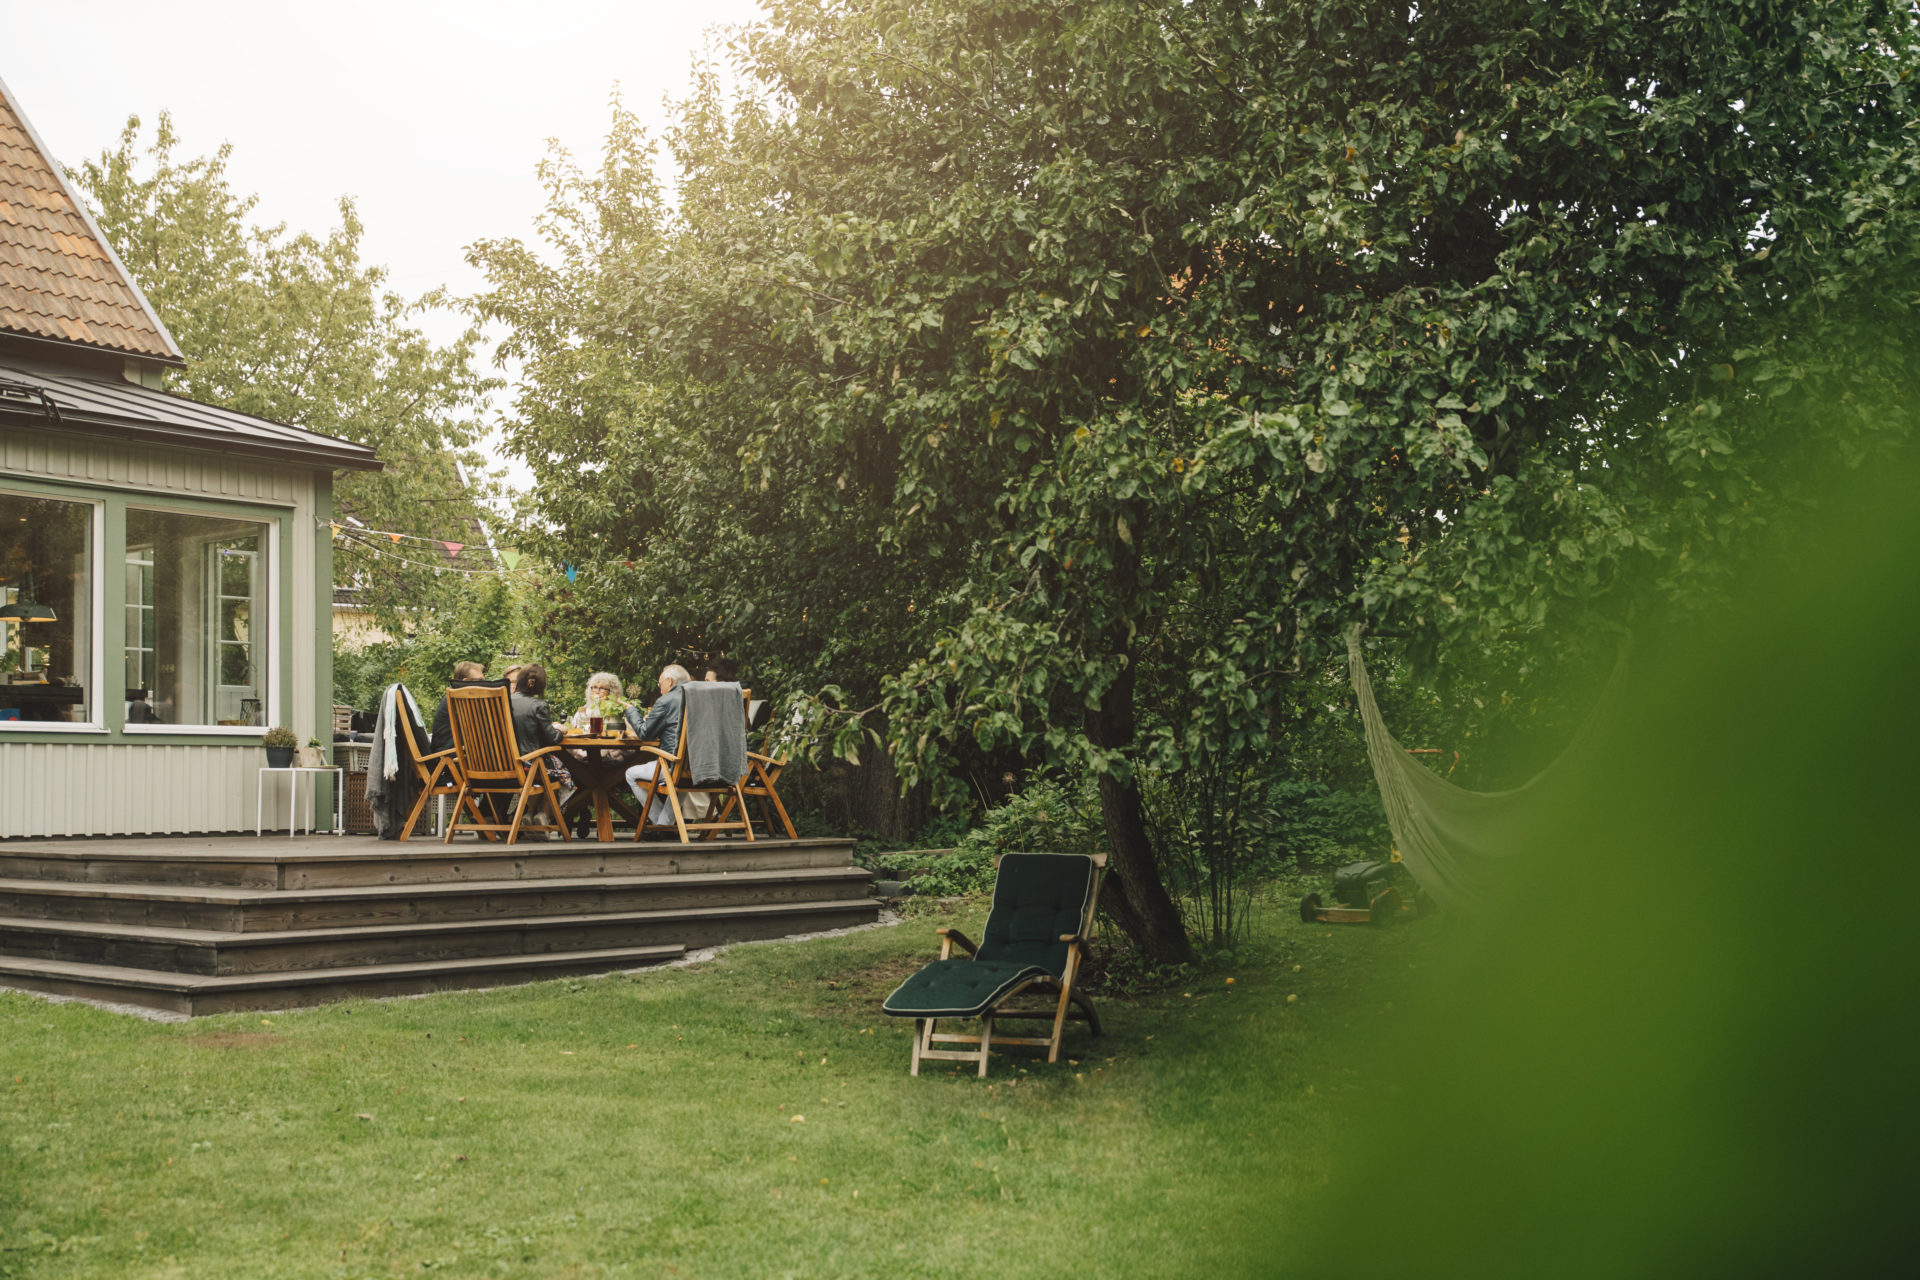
(599, 768)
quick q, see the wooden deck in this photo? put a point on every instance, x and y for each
(208, 924)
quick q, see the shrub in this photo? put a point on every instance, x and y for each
(1048, 817)
(1317, 826)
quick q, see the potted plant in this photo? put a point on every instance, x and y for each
(280, 743)
(311, 757)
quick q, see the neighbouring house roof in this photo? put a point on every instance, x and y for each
(59, 278)
(34, 397)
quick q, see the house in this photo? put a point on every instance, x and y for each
(166, 568)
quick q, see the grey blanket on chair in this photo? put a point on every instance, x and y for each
(392, 785)
(716, 728)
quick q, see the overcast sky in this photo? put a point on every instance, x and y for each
(431, 115)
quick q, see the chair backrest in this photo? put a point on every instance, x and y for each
(1036, 898)
(713, 733)
(415, 746)
(482, 724)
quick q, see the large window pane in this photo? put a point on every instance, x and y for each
(195, 630)
(46, 598)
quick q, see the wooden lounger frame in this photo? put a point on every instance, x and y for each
(1069, 1005)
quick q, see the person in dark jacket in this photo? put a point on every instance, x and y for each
(533, 726)
(661, 724)
(466, 675)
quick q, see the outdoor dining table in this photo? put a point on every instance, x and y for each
(600, 778)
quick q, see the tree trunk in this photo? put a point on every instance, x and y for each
(862, 799)
(876, 803)
(1134, 895)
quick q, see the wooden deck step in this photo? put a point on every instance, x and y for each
(219, 953)
(220, 907)
(204, 924)
(327, 862)
(202, 994)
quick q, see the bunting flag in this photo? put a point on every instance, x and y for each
(354, 535)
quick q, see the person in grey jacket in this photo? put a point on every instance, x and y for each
(661, 724)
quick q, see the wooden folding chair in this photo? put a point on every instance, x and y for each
(490, 763)
(674, 779)
(438, 775)
(1040, 925)
(762, 772)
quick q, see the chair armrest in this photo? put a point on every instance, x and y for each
(649, 747)
(531, 756)
(436, 755)
(950, 938)
(1080, 938)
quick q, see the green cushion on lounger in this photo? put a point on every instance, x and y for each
(957, 988)
(1036, 898)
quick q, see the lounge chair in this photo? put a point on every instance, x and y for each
(1038, 930)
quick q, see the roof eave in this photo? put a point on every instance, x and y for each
(337, 458)
(35, 342)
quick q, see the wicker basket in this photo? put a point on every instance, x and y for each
(359, 815)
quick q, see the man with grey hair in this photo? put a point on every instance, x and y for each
(661, 724)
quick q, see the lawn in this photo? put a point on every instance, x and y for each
(747, 1116)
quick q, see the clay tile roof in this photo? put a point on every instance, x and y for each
(59, 279)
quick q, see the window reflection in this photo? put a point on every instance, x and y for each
(195, 619)
(46, 599)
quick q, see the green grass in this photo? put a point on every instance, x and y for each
(649, 1126)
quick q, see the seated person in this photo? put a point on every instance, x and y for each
(603, 694)
(661, 724)
(466, 675)
(533, 726)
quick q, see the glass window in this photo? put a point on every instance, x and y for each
(46, 601)
(195, 628)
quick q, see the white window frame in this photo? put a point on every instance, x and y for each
(143, 609)
(97, 673)
(270, 696)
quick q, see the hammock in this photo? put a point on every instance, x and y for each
(1451, 839)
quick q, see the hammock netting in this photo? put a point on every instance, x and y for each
(1454, 840)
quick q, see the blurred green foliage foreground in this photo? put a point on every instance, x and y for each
(1684, 1046)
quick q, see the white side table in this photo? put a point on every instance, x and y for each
(293, 797)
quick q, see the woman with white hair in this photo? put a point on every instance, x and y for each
(662, 725)
(603, 700)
